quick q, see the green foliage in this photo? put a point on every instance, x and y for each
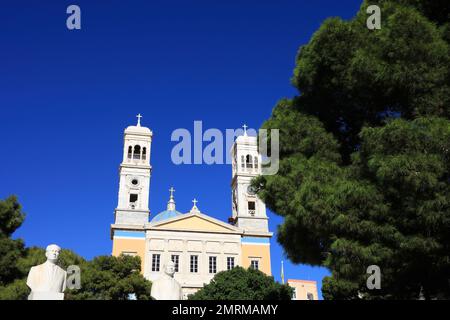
(10, 252)
(364, 154)
(241, 284)
(16, 290)
(437, 11)
(111, 278)
(105, 277)
(350, 76)
(11, 217)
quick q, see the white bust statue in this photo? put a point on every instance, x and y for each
(166, 287)
(47, 281)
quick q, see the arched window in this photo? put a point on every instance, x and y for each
(243, 162)
(248, 161)
(137, 152)
(256, 162)
(130, 152)
(144, 153)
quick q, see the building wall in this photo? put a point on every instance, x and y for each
(256, 251)
(302, 288)
(185, 244)
(129, 242)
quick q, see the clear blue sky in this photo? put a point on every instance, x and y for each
(66, 97)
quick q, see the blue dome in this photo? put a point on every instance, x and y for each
(166, 215)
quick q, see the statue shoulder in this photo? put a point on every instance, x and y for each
(61, 270)
(38, 267)
(32, 270)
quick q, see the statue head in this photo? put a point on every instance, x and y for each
(52, 253)
(170, 268)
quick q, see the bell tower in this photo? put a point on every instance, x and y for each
(135, 171)
(249, 212)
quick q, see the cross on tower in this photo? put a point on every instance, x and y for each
(139, 119)
(245, 129)
(171, 190)
(194, 202)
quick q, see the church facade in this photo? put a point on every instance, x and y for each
(199, 245)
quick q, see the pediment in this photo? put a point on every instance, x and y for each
(195, 222)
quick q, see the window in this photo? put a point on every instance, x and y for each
(256, 162)
(133, 200)
(144, 153)
(230, 263)
(310, 296)
(254, 264)
(251, 208)
(176, 260)
(130, 152)
(243, 162)
(212, 264)
(294, 294)
(248, 161)
(137, 152)
(194, 264)
(156, 259)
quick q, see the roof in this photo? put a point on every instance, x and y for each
(195, 221)
(302, 281)
(138, 130)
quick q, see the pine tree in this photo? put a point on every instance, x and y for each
(364, 153)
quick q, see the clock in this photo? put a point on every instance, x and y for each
(251, 190)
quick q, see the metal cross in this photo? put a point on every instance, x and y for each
(245, 129)
(171, 190)
(139, 119)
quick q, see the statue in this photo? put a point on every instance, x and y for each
(166, 287)
(47, 281)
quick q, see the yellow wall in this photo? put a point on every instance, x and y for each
(121, 245)
(303, 287)
(262, 252)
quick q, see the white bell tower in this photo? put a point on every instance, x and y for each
(135, 171)
(249, 212)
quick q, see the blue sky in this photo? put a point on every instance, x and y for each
(66, 97)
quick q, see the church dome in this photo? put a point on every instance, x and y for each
(137, 129)
(167, 214)
(170, 212)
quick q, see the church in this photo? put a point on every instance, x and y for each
(199, 244)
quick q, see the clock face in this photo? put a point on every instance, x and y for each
(135, 181)
(251, 190)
